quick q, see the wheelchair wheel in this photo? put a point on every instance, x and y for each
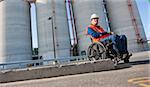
(96, 51)
(116, 60)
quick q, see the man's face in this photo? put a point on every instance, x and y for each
(94, 21)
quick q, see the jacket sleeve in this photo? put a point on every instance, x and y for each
(95, 34)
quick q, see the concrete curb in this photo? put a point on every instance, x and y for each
(141, 54)
(52, 71)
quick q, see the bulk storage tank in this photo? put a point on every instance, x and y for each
(15, 35)
(53, 33)
(83, 9)
(124, 19)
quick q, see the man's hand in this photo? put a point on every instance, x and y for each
(111, 32)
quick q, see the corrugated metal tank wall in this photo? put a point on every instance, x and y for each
(140, 25)
(121, 22)
(83, 9)
(15, 38)
(55, 9)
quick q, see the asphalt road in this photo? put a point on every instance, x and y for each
(136, 74)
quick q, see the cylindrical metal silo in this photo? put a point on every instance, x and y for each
(53, 32)
(83, 9)
(15, 35)
(124, 19)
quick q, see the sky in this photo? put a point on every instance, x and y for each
(143, 7)
(144, 10)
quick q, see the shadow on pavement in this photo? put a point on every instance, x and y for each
(140, 62)
(128, 65)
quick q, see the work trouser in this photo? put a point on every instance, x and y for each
(119, 43)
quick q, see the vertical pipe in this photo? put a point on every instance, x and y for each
(67, 15)
(53, 28)
(73, 21)
(30, 28)
(69, 21)
(53, 34)
(71, 26)
(70, 14)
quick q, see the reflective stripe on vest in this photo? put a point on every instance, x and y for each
(97, 29)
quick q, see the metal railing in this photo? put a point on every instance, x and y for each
(40, 62)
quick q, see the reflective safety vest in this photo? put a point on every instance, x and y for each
(96, 29)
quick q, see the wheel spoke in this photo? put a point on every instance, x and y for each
(96, 51)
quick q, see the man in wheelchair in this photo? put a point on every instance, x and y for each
(118, 43)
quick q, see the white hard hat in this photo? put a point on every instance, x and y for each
(94, 16)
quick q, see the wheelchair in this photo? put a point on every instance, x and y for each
(101, 50)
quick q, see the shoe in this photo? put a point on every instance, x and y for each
(129, 55)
